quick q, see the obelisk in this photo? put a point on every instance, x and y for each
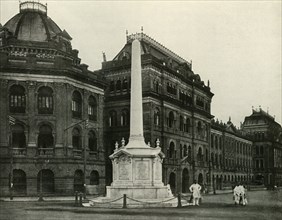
(136, 109)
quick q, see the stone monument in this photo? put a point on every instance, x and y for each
(137, 168)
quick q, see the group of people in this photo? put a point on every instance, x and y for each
(239, 195)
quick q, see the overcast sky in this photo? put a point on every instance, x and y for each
(234, 44)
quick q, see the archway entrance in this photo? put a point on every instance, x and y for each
(19, 182)
(47, 179)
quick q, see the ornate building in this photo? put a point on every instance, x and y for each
(51, 133)
(231, 155)
(176, 108)
(266, 134)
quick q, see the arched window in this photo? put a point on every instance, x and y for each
(112, 118)
(188, 125)
(112, 86)
(118, 85)
(45, 100)
(189, 152)
(216, 142)
(199, 127)
(157, 117)
(19, 182)
(92, 108)
(45, 137)
(212, 141)
(170, 119)
(156, 86)
(45, 181)
(92, 141)
(171, 150)
(76, 139)
(18, 136)
(124, 118)
(124, 84)
(94, 178)
(17, 99)
(76, 106)
(207, 155)
(200, 154)
(185, 153)
(181, 123)
(216, 159)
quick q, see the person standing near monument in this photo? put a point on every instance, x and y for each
(195, 189)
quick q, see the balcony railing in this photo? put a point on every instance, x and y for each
(45, 151)
(77, 153)
(19, 151)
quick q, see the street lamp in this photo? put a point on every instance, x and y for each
(40, 199)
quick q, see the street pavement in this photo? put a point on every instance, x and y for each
(262, 205)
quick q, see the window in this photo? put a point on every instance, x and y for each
(118, 86)
(261, 150)
(181, 123)
(171, 150)
(92, 108)
(18, 136)
(200, 154)
(112, 119)
(124, 84)
(76, 105)
(92, 141)
(112, 86)
(207, 155)
(188, 125)
(185, 151)
(76, 139)
(45, 137)
(212, 141)
(156, 86)
(199, 128)
(170, 119)
(17, 99)
(124, 118)
(189, 152)
(45, 100)
(157, 116)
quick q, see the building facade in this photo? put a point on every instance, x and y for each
(176, 109)
(266, 134)
(231, 155)
(51, 133)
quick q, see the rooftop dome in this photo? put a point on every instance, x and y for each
(33, 24)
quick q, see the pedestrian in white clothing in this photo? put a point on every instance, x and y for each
(236, 194)
(195, 188)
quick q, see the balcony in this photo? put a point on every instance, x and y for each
(19, 151)
(45, 152)
(77, 153)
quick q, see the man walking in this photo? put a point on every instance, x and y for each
(195, 188)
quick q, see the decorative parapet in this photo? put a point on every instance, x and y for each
(149, 40)
(33, 6)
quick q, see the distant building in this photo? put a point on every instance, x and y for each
(231, 155)
(267, 147)
(46, 97)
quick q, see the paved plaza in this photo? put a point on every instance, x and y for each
(262, 205)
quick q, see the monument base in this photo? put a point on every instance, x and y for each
(140, 192)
